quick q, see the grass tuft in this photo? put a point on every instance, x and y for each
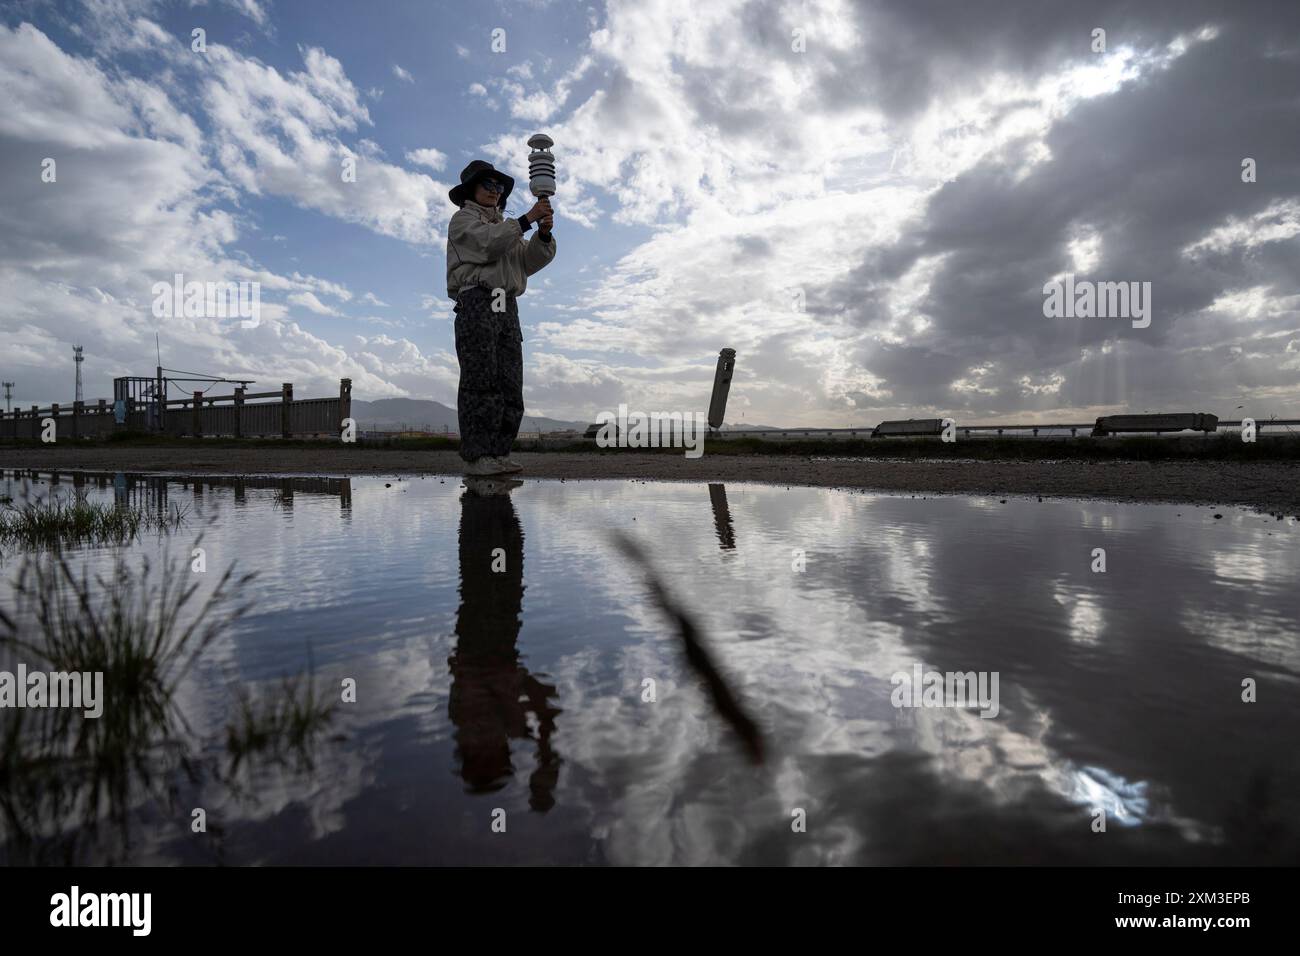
(57, 523)
(62, 775)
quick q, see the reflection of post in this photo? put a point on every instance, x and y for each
(345, 494)
(492, 694)
(722, 516)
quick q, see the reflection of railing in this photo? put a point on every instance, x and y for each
(240, 415)
(152, 492)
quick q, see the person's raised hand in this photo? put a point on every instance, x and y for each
(540, 209)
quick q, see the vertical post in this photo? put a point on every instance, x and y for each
(721, 387)
(345, 400)
(36, 421)
(77, 409)
(160, 403)
(54, 413)
(239, 411)
(286, 402)
(198, 415)
(100, 430)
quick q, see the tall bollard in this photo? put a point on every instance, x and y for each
(721, 387)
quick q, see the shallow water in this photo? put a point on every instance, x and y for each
(522, 688)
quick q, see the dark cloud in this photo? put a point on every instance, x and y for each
(1150, 169)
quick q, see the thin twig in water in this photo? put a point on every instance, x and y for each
(697, 655)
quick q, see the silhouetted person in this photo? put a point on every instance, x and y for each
(491, 692)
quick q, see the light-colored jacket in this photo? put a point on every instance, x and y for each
(485, 249)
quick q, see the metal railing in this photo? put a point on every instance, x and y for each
(239, 415)
(1074, 428)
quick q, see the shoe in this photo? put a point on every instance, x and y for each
(486, 465)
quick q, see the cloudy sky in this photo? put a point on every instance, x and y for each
(865, 200)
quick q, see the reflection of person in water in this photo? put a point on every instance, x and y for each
(492, 693)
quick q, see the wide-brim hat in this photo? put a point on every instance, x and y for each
(469, 178)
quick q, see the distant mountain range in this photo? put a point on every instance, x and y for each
(389, 414)
(417, 414)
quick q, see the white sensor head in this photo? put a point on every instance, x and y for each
(541, 166)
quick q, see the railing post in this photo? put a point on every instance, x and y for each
(54, 413)
(198, 415)
(286, 401)
(239, 411)
(77, 408)
(36, 421)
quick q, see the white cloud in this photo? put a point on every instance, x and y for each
(136, 201)
(309, 302)
(285, 135)
(252, 9)
(433, 158)
(402, 74)
(1278, 222)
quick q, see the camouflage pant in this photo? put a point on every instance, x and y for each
(490, 400)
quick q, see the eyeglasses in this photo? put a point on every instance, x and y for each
(492, 186)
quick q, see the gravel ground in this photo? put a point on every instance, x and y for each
(1268, 486)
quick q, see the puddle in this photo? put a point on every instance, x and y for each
(501, 648)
